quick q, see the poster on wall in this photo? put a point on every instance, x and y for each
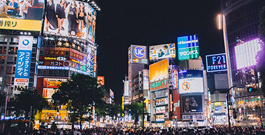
(192, 103)
(21, 14)
(70, 18)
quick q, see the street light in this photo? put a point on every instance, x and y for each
(7, 94)
(227, 106)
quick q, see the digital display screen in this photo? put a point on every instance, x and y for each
(188, 47)
(164, 51)
(21, 15)
(191, 103)
(70, 18)
(159, 74)
(216, 62)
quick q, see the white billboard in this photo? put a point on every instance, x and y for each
(246, 53)
(190, 85)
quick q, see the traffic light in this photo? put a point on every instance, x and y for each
(251, 89)
(234, 114)
(136, 118)
(148, 117)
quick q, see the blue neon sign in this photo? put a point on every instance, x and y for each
(139, 52)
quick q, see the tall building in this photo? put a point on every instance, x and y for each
(240, 28)
(38, 50)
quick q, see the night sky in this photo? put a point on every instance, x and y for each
(121, 23)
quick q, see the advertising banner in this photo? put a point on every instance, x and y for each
(159, 74)
(162, 101)
(52, 82)
(191, 103)
(190, 81)
(216, 62)
(23, 62)
(188, 47)
(100, 80)
(47, 92)
(192, 117)
(138, 54)
(21, 15)
(246, 53)
(163, 51)
(70, 18)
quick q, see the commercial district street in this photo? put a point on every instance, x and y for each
(155, 68)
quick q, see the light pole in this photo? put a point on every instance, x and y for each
(227, 106)
(7, 94)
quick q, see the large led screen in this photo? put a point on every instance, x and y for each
(190, 81)
(188, 47)
(216, 62)
(158, 74)
(191, 103)
(70, 18)
(21, 14)
(246, 53)
(162, 51)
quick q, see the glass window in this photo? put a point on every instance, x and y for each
(11, 50)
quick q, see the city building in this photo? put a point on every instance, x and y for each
(38, 51)
(240, 29)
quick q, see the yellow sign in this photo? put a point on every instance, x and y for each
(217, 104)
(17, 24)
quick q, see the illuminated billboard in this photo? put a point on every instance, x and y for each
(23, 62)
(246, 53)
(216, 62)
(137, 54)
(188, 47)
(190, 81)
(163, 51)
(100, 80)
(52, 82)
(191, 103)
(21, 15)
(126, 88)
(158, 73)
(70, 18)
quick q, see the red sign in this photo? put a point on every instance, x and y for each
(176, 104)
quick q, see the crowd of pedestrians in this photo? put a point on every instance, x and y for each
(220, 130)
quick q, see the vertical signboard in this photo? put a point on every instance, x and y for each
(175, 79)
(176, 104)
(23, 62)
(146, 80)
(188, 47)
(126, 92)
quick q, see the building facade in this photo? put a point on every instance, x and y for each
(241, 26)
